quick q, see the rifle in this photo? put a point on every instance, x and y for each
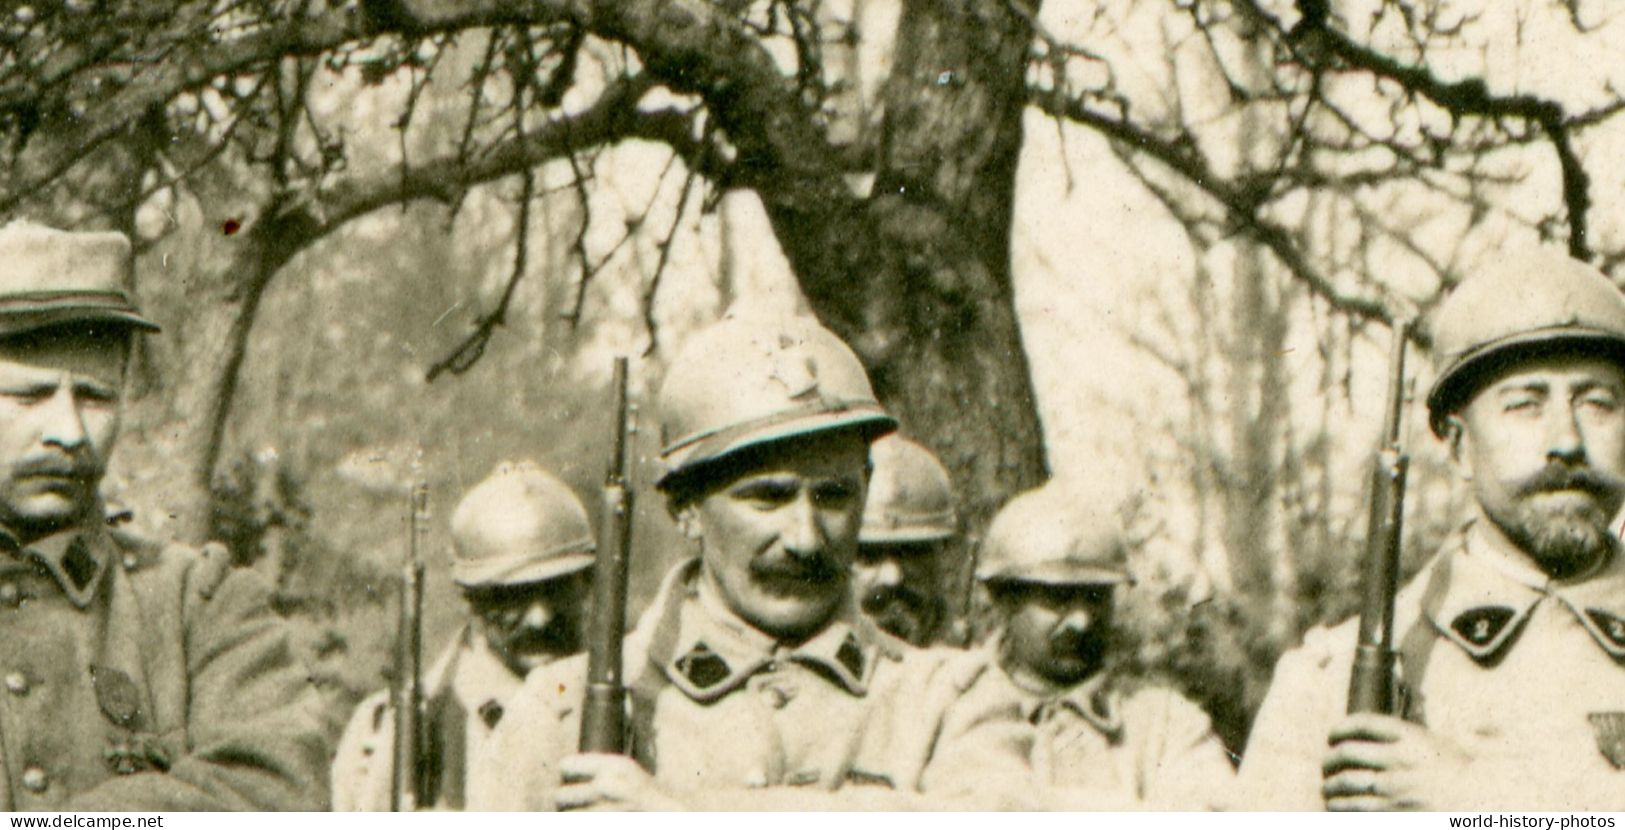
(603, 715)
(957, 625)
(1372, 685)
(407, 778)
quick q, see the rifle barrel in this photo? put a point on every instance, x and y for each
(603, 720)
(406, 778)
(1371, 686)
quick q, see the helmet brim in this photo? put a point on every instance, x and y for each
(1060, 573)
(23, 322)
(488, 574)
(684, 465)
(1464, 377)
(888, 535)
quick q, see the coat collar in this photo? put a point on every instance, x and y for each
(707, 651)
(1492, 591)
(1097, 700)
(473, 674)
(76, 558)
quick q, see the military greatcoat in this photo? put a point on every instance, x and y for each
(728, 719)
(1110, 745)
(1526, 673)
(139, 676)
(466, 693)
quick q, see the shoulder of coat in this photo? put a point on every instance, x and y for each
(939, 665)
(136, 551)
(205, 568)
(372, 714)
(1325, 643)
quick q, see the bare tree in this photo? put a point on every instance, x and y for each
(892, 198)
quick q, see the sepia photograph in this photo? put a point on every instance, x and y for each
(804, 405)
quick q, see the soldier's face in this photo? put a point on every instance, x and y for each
(896, 585)
(1543, 446)
(530, 625)
(1059, 633)
(59, 415)
(778, 538)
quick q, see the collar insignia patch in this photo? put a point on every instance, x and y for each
(1483, 630)
(703, 667)
(1610, 729)
(850, 655)
(490, 713)
(1610, 626)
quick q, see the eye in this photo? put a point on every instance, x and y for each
(1052, 596)
(96, 395)
(1522, 403)
(834, 493)
(1599, 400)
(766, 494)
(28, 394)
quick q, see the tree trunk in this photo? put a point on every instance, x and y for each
(211, 281)
(917, 277)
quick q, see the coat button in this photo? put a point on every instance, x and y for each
(9, 595)
(17, 683)
(35, 780)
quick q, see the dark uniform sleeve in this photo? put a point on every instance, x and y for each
(253, 739)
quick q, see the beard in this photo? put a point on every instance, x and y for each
(524, 650)
(1558, 516)
(903, 612)
(1076, 655)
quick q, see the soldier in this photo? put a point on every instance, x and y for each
(1511, 639)
(523, 556)
(908, 521)
(1054, 571)
(754, 680)
(138, 675)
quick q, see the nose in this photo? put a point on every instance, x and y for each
(888, 574)
(1564, 441)
(1076, 621)
(538, 615)
(64, 426)
(803, 538)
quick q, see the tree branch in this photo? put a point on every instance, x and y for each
(1242, 204)
(1313, 40)
(614, 117)
(686, 44)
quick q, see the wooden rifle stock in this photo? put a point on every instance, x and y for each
(407, 778)
(1372, 684)
(603, 715)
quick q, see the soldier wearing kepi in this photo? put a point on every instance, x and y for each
(524, 552)
(1511, 641)
(754, 680)
(908, 521)
(138, 675)
(1054, 568)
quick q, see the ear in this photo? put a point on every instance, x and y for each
(1455, 436)
(688, 522)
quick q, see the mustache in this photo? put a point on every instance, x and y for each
(555, 638)
(879, 599)
(1557, 477)
(1072, 640)
(76, 465)
(812, 570)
